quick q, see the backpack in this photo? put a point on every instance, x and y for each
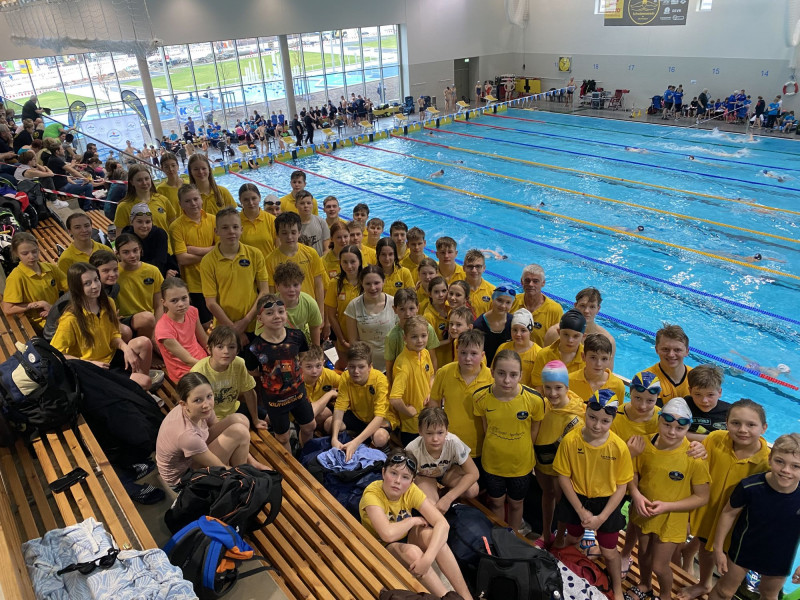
(468, 527)
(236, 496)
(209, 553)
(38, 390)
(517, 570)
(14, 206)
(584, 567)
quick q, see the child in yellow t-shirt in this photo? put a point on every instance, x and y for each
(568, 348)
(521, 342)
(139, 285)
(512, 415)
(412, 378)
(322, 384)
(666, 485)
(594, 467)
(564, 411)
(598, 354)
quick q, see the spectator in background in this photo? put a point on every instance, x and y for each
(30, 110)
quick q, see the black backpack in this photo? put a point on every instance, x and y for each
(468, 528)
(235, 496)
(38, 391)
(516, 570)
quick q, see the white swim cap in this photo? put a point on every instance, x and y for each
(783, 368)
(678, 408)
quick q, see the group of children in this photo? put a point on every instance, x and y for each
(485, 387)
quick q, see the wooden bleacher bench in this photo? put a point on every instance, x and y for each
(49, 233)
(27, 507)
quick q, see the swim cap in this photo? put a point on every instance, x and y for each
(678, 408)
(523, 317)
(646, 379)
(640, 228)
(272, 198)
(573, 320)
(757, 256)
(782, 368)
(555, 370)
(140, 208)
(504, 290)
(605, 398)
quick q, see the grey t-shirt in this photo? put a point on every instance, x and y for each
(317, 232)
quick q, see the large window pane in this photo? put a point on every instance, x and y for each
(233, 105)
(179, 67)
(351, 49)
(391, 85)
(369, 45)
(389, 54)
(332, 49)
(227, 63)
(44, 75)
(295, 54)
(270, 58)
(355, 83)
(76, 81)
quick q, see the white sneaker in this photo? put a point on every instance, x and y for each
(524, 528)
(59, 204)
(157, 377)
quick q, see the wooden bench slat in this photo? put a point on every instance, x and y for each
(110, 518)
(35, 485)
(140, 530)
(18, 493)
(15, 583)
(77, 490)
(50, 475)
(284, 576)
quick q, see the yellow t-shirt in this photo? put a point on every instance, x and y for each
(72, 255)
(458, 275)
(400, 278)
(411, 266)
(579, 385)
(528, 358)
(726, 471)
(340, 300)
(481, 298)
(423, 299)
(670, 389)
(595, 471)
(554, 425)
(163, 212)
(227, 384)
(411, 381)
(288, 205)
(551, 352)
(171, 194)
(508, 446)
(69, 339)
(395, 511)
(210, 200)
(233, 281)
(444, 352)
(185, 232)
(456, 397)
(306, 258)
(668, 476)
(626, 429)
(328, 380)
(331, 263)
(136, 289)
(365, 401)
(368, 255)
(548, 314)
(260, 233)
(25, 285)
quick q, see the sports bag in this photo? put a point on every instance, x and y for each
(235, 496)
(38, 390)
(209, 553)
(468, 527)
(516, 570)
(584, 567)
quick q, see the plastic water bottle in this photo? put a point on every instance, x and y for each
(556, 595)
(752, 581)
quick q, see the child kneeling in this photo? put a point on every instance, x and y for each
(442, 459)
(417, 542)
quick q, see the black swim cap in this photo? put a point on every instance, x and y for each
(757, 256)
(573, 320)
(640, 228)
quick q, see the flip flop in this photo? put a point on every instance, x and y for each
(626, 567)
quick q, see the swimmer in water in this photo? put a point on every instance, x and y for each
(772, 175)
(638, 150)
(493, 254)
(438, 173)
(776, 372)
(639, 228)
(458, 162)
(755, 258)
(691, 157)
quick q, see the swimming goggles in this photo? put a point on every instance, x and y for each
(104, 562)
(650, 390)
(271, 304)
(141, 214)
(609, 410)
(682, 421)
(271, 203)
(399, 459)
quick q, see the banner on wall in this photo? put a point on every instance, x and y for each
(115, 131)
(132, 101)
(645, 13)
(76, 111)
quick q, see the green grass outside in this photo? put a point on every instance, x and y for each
(388, 43)
(56, 100)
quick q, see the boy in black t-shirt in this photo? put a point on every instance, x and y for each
(274, 362)
(709, 413)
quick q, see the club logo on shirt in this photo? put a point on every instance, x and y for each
(52, 283)
(371, 390)
(398, 284)
(676, 475)
(327, 388)
(522, 415)
(485, 298)
(441, 326)
(161, 210)
(148, 281)
(427, 367)
(244, 262)
(537, 325)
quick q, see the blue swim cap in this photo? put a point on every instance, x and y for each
(646, 379)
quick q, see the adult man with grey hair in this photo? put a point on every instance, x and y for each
(546, 312)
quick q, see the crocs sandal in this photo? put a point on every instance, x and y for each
(626, 567)
(638, 594)
(145, 494)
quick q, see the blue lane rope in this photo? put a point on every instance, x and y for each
(654, 151)
(620, 160)
(563, 301)
(566, 251)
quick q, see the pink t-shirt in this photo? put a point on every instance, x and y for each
(178, 441)
(184, 333)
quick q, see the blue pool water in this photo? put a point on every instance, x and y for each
(725, 308)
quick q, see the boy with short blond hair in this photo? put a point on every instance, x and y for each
(322, 384)
(480, 295)
(330, 205)
(597, 355)
(298, 182)
(672, 347)
(398, 231)
(406, 305)
(412, 378)
(368, 255)
(301, 309)
(446, 252)
(709, 413)
(374, 232)
(312, 226)
(415, 243)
